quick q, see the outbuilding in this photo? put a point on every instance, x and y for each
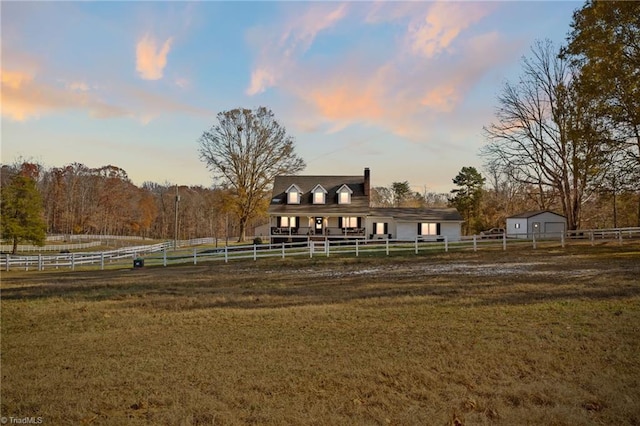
(541, 224)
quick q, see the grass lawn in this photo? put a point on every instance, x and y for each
(547, 336)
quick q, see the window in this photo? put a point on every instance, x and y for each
(344, 195)
(428, 229)
(288, 222)
(380, 228)
(294, 197)
(319, 194)
(517, 226)
(350, 222)
(293, 194)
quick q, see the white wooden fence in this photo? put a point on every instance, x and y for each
(187, 251)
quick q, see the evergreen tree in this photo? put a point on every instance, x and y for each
(467, 197)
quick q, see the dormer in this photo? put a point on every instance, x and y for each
(344, 194)
(294, 194)
(318, 195)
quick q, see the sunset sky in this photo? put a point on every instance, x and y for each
(403, 88)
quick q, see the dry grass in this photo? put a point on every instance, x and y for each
(523, 337)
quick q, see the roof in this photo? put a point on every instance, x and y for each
(413, 214)
(359, 201)
(530, 214)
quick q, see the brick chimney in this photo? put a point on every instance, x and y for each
(367, 181)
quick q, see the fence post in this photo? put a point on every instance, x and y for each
(164, 256)
(255, 252)
(593, 238)
(7, 258)
(283, 248)
(40, 262)
(475, 243)
(195, 256)
(416, 243)
(326, 246)
(504, 242)
(534, 240)
(620, 236)
(311, 244)
(562, 239)
(73, 261)
(356, 248)
(102, 261)
(446, 243)
(387, 246)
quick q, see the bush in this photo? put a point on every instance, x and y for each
(257, 240)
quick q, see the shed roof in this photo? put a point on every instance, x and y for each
(530, 214)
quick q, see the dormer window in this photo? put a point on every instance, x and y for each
(319, 195)
(344, 194)
(294, 194)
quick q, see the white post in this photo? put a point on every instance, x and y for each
(195, 256)
(226, 254)
(387, 246)
(73, 261)
(255, 252)
(593, 237)
(562, 239)
(446, 243)
(475, 243)
(620, 236)
(356, 248)
(102, 261)
(164, 256)
(504, 242)
(40, 267)
(311, 249)
(7, 258)
(326, 246)
(416, 244)
(534, 240)
(283, 248)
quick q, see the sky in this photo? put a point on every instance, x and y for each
(403, 88)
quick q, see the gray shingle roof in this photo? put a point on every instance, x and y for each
(359, 201)
(413, 214)
(527, 215)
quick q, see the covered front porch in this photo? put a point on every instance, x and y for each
(323, 226)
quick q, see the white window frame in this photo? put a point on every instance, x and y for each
(318, 197)
(428, 228)
(350, 222)
(293, 197)
(344, 197)
(288, 222)
(379, 228)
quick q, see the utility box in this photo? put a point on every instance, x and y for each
(138, 262)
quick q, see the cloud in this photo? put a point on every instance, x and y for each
(434, 58)
(26, 97)
(151, 60)
(281, 45)
(441, 25)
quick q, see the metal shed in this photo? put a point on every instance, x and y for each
(541, 224)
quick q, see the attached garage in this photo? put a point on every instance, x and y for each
(541, 224)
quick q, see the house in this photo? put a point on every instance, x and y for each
(313, 207)
(541, 224)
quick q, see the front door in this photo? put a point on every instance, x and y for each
(318, 226)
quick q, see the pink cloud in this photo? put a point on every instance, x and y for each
(282, 44)
(151, 59)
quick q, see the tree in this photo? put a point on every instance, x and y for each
(467, 197)
(247, 149)
(605, 44)
(545, 136)
(22, 211)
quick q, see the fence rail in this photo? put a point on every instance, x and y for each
(187, 251)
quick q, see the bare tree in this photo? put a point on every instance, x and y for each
(247, 149)
(543, 135)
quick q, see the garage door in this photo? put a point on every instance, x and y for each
(554, 229)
